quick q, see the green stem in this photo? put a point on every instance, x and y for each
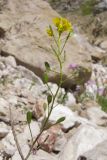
(65, 41)
(30, 132)
(58, 55)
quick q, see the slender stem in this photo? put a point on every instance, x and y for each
(65, 41)
(15, 137)
(55, 39)
(54, 97)
(67, 78)
(49, 89)
(30, 132)
(54, 71)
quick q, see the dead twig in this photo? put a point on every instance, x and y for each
(15, 137)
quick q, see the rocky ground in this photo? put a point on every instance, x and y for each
(84, 129)
(83, 134)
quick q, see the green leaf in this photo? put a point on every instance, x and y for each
(45, 106)
(47, 66)
(60, 120)
(49, 99)
(103, 102)
(45, 77)
(29, 117)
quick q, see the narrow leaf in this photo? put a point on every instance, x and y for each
(60, 120)
(29, 117)
(47, 66)
(45, 77)
(49, 99)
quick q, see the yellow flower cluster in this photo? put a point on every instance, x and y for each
(50, 31)
(62, 25)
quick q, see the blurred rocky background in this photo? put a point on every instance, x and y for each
(24, 47)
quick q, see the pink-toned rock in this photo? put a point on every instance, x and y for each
(48, 138)
(38, 108)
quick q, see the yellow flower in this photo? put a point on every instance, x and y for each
(50, 31)
(62, 25)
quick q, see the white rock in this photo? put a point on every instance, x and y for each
(71, 100)
(97, 116)
(10, 60)
(12, 100)
(24, 149)
(40, 155)
(97, 153)
(60, 143)
(25, 136)
(1, 158)
(45, 156)
(103, 45)
(3, 130)
(85, 139)
(70, 117)
(29, 75)
(97, 83)
(23, 83)
(9, 144)
(4, 106)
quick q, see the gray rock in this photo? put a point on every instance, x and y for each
(25, 136)
(4, 107)
(8, 144)
(1, 158)
(27, 40)
(97, 116)
(85, 139)
(3, 130)
(71, 118)
(40, 155)
(97, 153)
(103, 45)
(101, 6)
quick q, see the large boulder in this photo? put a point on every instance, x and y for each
(24, 26)
(84, 140)
(98, 153)
(65, 5)
(101, 6)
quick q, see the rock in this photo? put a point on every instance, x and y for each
(85, 139)
(10, 60)
(27, 40)
(98, 54)
(2, 33)
(97, 83)
(60, 143)
(8, 144)
(1, 158)
(39, 155)
(3, 130)
(4, 107)
(71, 118)
(49, 137)
(38, 109)
(97, 116)
(101, 6)
(98, 152)
(64, 6)
(103, 45)
(69, 99)
(25, 136)
(24, 149)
